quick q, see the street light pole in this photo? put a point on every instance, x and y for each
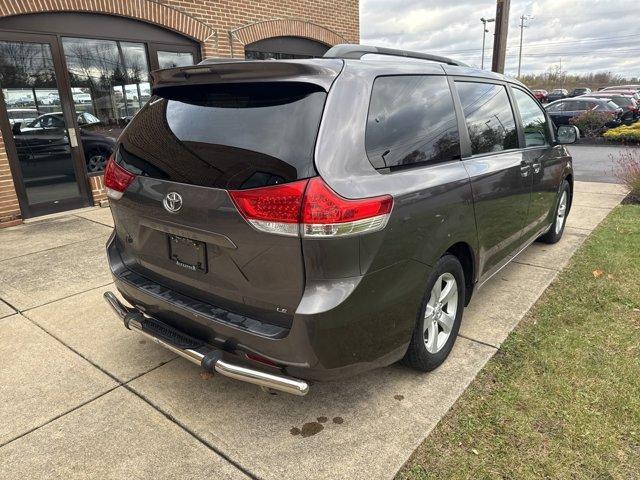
(484, 34)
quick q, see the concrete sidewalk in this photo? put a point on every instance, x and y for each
(82, 397)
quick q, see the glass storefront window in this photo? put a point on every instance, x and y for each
(109, 82)
(38, 128)
(174, 59)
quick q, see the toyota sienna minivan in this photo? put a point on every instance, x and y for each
(290, 221)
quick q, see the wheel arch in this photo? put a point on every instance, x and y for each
(467, 258)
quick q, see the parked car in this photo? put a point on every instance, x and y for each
(22, 101)
(541, 95)
(623, 87)
(557, 94)
(21, 115)
(81, 98)
(576, 92)
(562, 111)
(627, 103)
(51, 99)
(283, 221)
(630, 93)
(44, 144)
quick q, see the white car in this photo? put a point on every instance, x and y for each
(81, 98)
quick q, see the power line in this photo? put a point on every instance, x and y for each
(543, 44)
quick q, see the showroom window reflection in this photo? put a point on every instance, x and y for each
(109, 80)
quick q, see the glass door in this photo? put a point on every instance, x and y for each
(109, 82)
(38, 127)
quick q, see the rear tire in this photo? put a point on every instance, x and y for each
(560, 215)
(439, 316)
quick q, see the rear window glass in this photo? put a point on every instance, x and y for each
(233, 136)
(411, 121)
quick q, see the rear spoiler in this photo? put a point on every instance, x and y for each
(319, 72)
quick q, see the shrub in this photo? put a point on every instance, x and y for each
(591, 123)
(624, 133)
(628, 170)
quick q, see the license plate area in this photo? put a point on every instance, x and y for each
(188, 254)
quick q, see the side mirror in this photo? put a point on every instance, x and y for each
(568, 134)
(15, 129)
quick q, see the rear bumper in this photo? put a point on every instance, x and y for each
(207, 356)
(351, 329)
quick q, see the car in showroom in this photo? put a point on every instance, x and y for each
(43, 143)
(562, 111)
(557, 94)
(281, 222)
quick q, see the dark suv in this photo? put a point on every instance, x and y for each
(294, 220)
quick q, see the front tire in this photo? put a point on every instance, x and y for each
(439, 316)
(562, 209)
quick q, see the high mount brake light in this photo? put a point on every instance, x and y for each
(116, 179)
(311, 209)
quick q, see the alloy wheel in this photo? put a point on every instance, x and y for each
(562, 212)
(440, 313)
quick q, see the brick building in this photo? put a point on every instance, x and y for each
(73, 72)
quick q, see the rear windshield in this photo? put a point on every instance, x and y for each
(232, 136)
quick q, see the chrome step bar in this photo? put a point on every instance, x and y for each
(208, 357)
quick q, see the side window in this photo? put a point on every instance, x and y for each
(575, 106)
(534, 121)
(490, 120)
(556, 107)
(411, 121)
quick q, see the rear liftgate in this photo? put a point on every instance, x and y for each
(200, 353)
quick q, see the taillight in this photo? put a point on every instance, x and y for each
(116, 179)
(310, 208)
(274, 209)
(327, 214)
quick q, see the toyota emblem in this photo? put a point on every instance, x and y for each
(172, 202)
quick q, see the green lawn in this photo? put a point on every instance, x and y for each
(561, 399)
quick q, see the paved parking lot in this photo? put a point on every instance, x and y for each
(81, 397)
(595, 163)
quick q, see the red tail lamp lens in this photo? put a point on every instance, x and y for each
(277, 203)
(324, 206)
(311, 208)
(116, 178)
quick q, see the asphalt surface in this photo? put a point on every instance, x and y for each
(595, 163)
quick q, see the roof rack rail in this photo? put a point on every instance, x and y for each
(353, 51)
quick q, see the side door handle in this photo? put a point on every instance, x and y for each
(525, 169)
(537, 166)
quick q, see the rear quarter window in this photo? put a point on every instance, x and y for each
(231, 136)
(411, 122)
(489, 117)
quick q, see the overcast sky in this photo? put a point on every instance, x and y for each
(588, 35)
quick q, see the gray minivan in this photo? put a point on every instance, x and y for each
(288, 221)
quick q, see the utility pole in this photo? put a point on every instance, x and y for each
(500, 42)
(484, 33)
(522, 27)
